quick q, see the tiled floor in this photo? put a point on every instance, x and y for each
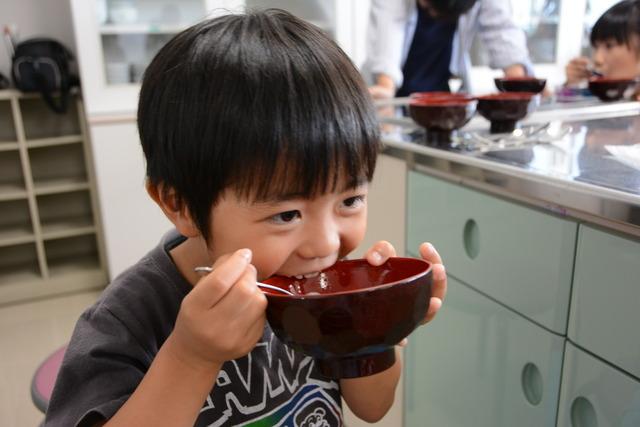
(28, 333)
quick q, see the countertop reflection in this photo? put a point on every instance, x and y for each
(575, 170)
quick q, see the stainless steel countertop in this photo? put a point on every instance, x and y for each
(573, 176)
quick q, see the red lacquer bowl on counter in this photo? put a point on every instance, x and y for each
(504, 109)
(520, 84)
(607, 89)
(350, 316)
(440, 113)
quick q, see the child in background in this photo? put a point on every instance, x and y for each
(260, 140)
(615, 39)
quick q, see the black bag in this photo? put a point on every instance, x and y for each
(42, 65)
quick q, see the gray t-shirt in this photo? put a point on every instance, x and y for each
(115, 341)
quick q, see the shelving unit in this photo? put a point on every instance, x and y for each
(50, 235)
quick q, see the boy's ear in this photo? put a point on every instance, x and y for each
(177, 212)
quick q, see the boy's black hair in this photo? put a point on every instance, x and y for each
(451, 9)
(620, 23)
(263, 103)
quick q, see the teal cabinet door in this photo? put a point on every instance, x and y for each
(605, 307)
(594, 394)
(520, 256)
(480, 364)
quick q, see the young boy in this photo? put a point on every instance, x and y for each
(615, 39)
(260, 139)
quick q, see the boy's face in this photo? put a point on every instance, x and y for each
(291, 236)
(615, 60)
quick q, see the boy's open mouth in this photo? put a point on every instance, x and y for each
(305, 276)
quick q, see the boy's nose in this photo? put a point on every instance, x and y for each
(321, 241)
(598, 58)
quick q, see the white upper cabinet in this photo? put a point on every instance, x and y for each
(117, 39)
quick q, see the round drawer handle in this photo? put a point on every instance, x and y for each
(532, 384)
(471, 238)
(582, 413)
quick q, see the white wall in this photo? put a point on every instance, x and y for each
(49, 18)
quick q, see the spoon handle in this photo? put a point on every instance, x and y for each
(205, 270)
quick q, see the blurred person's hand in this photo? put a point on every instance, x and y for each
(577, 70)
(384, 88)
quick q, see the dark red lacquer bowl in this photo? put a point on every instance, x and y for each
(350, 317)
(520, 84)
(504, 109)
(611, 89)
(441, 114)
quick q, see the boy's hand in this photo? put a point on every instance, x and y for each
(382, 251)
(223, 317)
(577, 70)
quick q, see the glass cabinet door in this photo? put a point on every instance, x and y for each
(132, 32)
(540, 20)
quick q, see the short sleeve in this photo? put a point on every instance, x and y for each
(103, 365)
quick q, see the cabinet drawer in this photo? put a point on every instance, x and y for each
(594, 394)
(480, 364)
(519, 256)
(605, 308)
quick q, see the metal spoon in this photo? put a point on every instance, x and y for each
(206, 270)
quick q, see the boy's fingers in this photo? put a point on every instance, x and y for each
(434, 306)
(380, 253)
(429, 253)
(439, 286)
(216, 284)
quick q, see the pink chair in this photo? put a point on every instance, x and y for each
(44, 379)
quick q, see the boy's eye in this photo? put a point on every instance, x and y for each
(354, 201)
(285, 217)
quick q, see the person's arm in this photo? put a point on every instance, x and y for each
(385, 42)
(371, 397)
(170, 394)
(183, 372)
(504, 40)
(516, 70)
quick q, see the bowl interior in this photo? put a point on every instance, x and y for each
(350, 276)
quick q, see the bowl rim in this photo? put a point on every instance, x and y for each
(439, 94)
(441, 102)
(356, 291)
(597, 80)
(507, 96)
(520, 79)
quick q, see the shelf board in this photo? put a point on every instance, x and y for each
(115, 29)
(12, 191)
(76, 265)
(18, 275)
(8, 145)
(23, 284)
(68, 227)
(16, 235)
(58, 140)
(60, 185)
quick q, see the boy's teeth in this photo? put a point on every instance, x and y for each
(306, 276)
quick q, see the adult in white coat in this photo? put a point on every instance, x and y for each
(417, 45)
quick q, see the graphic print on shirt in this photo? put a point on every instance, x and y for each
(272, 386)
